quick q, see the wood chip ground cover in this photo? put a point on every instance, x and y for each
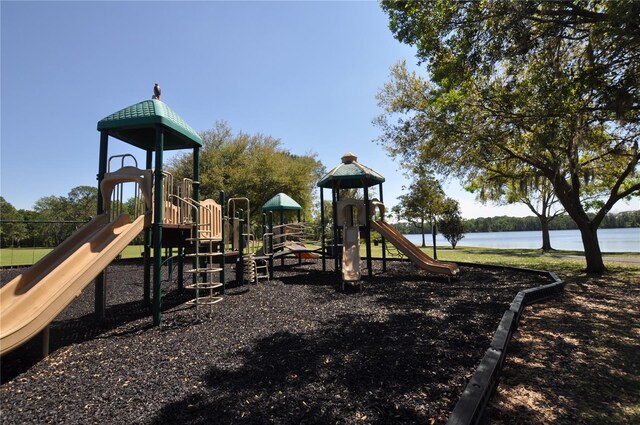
(292, 350)
(575, 359)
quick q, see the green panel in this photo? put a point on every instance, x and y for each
(136, 124)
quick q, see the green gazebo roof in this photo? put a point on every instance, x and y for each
(350, 174)
(136, 125)
(280, 202)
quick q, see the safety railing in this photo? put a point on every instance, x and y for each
(300, 233)
(119, 181)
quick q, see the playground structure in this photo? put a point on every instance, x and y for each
(286, 238)
(355, 218)
(171, 216)
(168, 220)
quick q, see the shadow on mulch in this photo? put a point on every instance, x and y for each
(300, 378)
(575, 359)
(291, 350)
(406, 367)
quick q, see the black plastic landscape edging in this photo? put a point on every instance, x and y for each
(473, 402)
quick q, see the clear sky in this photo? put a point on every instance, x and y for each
(304, 72)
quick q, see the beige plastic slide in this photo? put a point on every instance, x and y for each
(415, 254)
(32, 300)
(351, 254)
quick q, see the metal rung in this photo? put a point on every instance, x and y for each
(205, 300)
(204, 285)
(203, 239)
(202, 254)
(205, 270)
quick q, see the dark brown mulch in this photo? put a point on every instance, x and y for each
(293, 350)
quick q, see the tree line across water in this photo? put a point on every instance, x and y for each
(626, 219)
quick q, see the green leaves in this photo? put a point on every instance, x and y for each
(256, 167)
(520, 88)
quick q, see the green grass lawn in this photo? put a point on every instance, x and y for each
(557, 261)
(28, 256)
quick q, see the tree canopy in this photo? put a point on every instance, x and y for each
(516, 87)
(535, 192)
(256, 167)
(451, 223)
(53, 220)
(423, 203)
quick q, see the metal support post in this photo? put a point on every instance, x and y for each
(223, 276)
(240, 261)
(367, 231)
(147, 248)
(324, 238)
(270, 242)
(157, 228)
(100, 282)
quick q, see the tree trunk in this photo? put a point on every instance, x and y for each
(423, 237)
(433, 235)
(570, 200)
(546, 239)
(592, 253)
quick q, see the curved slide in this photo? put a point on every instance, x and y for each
(31, 301)
(414, 253)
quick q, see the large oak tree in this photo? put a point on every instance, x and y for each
(545, 86)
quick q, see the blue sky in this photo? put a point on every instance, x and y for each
(304, 72)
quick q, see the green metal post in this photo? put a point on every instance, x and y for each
(100, 282)
(271, 245)
(324, 237)
(240, 261)
(299, 255)
(223, 276)
(367, 231)
(157, 228)
(334, 206)
(147, 247)
(384, 242)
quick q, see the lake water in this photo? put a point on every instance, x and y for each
(611, 240)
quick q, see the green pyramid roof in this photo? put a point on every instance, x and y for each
(350, 174)
(281, 202)
(136, 125)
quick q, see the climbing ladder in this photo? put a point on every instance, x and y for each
(208, 286)
(208, 252)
